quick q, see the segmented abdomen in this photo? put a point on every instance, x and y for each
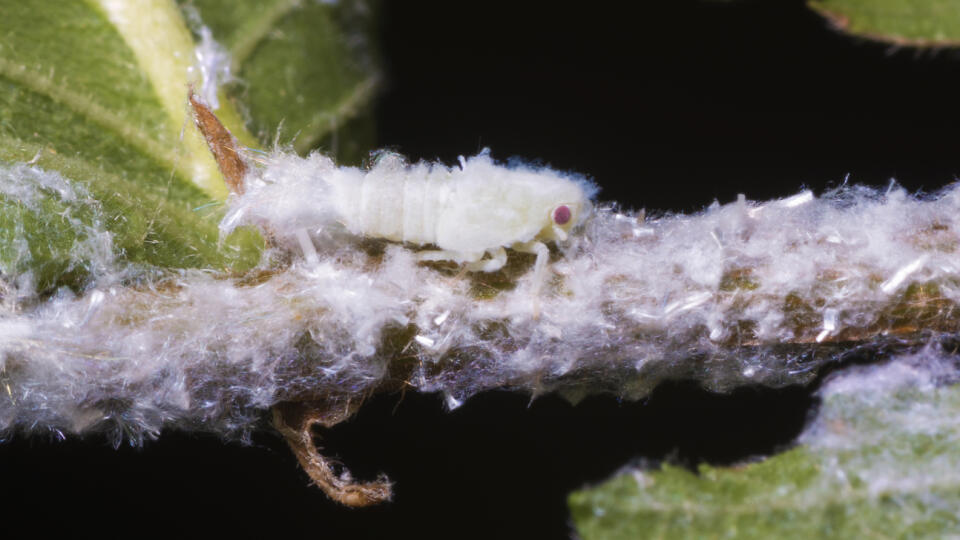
(397, 205)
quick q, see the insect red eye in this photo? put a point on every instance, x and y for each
(561, 215)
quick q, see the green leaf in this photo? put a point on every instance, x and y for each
(881, 459)
(306, 68)
(903, 22)
(96, 91)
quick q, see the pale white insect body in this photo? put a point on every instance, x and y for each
(470, 213)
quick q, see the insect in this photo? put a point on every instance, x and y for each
(469, 214)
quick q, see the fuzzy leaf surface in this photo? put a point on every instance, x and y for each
(880, 460)
(902, 22)
(96, 91)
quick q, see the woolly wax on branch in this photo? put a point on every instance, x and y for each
(760, 294)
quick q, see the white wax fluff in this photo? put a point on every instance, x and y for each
(628, 302)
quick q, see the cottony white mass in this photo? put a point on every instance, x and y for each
(747, 292)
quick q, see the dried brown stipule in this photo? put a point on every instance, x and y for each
(295, 421)
(223, 145)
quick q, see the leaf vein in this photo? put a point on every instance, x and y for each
(249, 35)
(91, 110)
(328, 121)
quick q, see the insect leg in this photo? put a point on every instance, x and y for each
(498, 258)
(306, 244)
(539, 269)
(540, 266)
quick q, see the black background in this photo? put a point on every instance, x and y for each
(668, 108)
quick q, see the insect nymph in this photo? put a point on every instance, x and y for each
(468, 214)
(471, 213)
